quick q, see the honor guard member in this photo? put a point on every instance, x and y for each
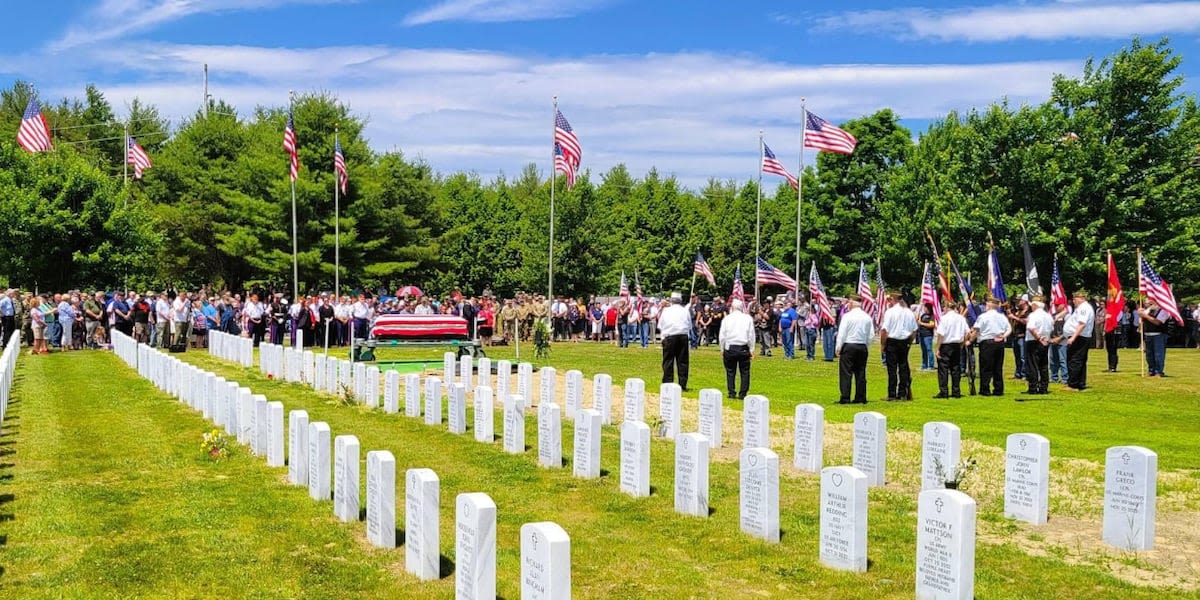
(674, 324)
(950, 335)
(736, 338)
(854, 334)
(1038, 326)
(1078, 329)
(991, 330)
(895, 338)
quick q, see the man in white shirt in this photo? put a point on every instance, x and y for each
(950, 334)
(256, 315)
(736, 339)
(990, 332)
(181, 312)
(361, 317)
(674, 323)
(1078, 329)
(854, 334)
(895, 338)
(163, 317)
(1038, 326)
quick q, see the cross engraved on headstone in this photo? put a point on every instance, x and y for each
(939, 504)
(1125, 458)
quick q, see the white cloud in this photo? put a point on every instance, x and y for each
(497, 11)
(1003, 22)
(692, 114)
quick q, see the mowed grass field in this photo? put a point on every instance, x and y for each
(104, 492)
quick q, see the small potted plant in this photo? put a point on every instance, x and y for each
(215, 444)
(954, 476)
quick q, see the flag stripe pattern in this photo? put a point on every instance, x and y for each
(289, 144)
(823, 135)
(929, 294)
(565, 137)
(880, 296)
(864, 290)
(738, 292)
(819, 298)
(624, 291)
(765, 273)
(701, 268)
(772, 165)
(136, 156)
(1152, 286)
(1058, 294)
(562, 166)
(995, 282)
(34, 134)
(339, 165)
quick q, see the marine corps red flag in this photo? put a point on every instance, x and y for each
(1116, 299)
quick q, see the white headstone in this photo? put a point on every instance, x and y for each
(756, 422)
(586, 463)
(360, 382)
(381, 499)
(669, 400)
(602, 397)
(635, 458)
(466, 370)
(345, 477)
(331, 375)
(691, 475)
(485, 414)
(940, 448)
(525, 381)
(545, 562)
(843, 510)
(412, 395)
(275, 434)
(475, 547)
(945, 545)
(371, 387)
(308, 371)
(635, 400)
(233, 393)
(809, 443)
(421, 496)
(318, 460)
(1027, 478)
(870, 446)
(345, 378)
(298, 447)
(503, 379)
(1130, 497)
(710, 415)
(319, 371)
(548, 382)
(573, 395)
(514, 424)
(391, 392)
(549, 435)
(449, 367)
(458, 409)
(245, 434)
(759, 494)
(433, 401)
(483, 371)
(262, 418)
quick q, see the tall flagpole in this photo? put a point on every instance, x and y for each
(800, 191)
(757, 218)
(337, 226)
(553, 177)
(126, 161)
(295, 261)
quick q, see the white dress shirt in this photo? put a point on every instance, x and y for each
(856, 328)
(1042, 322)
(1083, 319)
(952, 329)
(992, 324)
(737, 329)
(899, 322)
(674, 320)
(361, 310)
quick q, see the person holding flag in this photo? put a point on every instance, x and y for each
(991, 331)
(1159, 309)
(895, 338)
(1114, 307)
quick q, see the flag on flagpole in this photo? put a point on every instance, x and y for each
(772, 165)
(136, 156)
(624, 291)
(964, 290)
(738, 292)
(562, 166)
(1155, 288)
(1032, 281)
(1058, 294)
(34, 134)
(819, 297)
(339, 165)
(943, 282)
(864, 289)
(929, 294)
(701, 268)
(995, 282)
(289, 144)
(565, 137)
(1115, 302)
(823, 135)
(880, 295)
(766, 274)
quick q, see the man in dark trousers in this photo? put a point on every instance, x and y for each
(1078, 329)
(990, 331)
(854, 334)
(736, 338)
(675, 323)
(950, 335)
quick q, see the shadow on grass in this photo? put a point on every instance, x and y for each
(445, 566)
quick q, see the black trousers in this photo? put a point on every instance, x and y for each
(950, 369)
(853, 366)
(675, 358)
(895, 353)
(991, 368)
(737, 360)
(1037, 367)
(1110, 345)
(7, 326)
(1077, 354)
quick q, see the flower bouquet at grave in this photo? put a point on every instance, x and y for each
(346, 397)
(955, 474)
(541, 339)
(215, 444)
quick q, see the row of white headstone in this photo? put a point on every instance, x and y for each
(230, 347)
(8, 364)
(545, 547)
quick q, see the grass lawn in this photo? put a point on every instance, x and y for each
(104, 493)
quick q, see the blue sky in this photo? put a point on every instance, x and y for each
(684, 86)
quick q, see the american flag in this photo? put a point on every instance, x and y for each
(34, 134)
(880, 296)
(637, 289)
(1153, 287)
(136, 156)
(995, 282)
(738, 292)
(819, 298)
(823, 135)
(289, 144)
(339, 165)
(929, 294)
(765, 273)
(565, 137)
(772, 165)
(864, 290)
(701, 268)
(624, 292)
(943, 281)
(1058, 294)
(561, 165)
(964, 290)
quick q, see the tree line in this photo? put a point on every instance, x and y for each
(1108, 162)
